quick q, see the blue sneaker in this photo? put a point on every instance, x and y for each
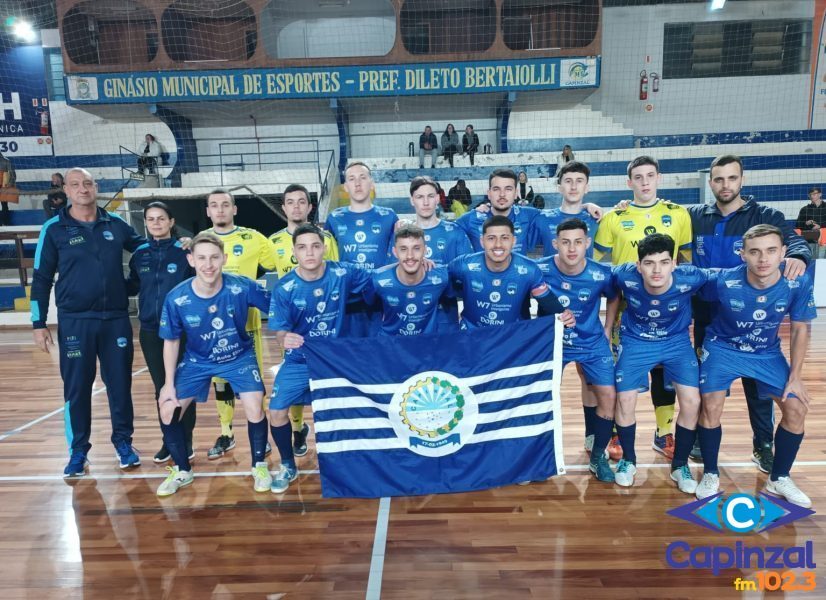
(282, 480)
(127, 455)
(601, 469)
(77, 465)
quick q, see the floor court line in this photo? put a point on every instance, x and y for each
(54, 412)
(379, 545)
(161, 475)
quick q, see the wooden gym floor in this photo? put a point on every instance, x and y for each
(108, 535)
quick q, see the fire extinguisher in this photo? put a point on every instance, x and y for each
(643, 85)
(44, 122)
(655, 82)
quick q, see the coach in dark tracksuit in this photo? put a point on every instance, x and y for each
(718, 237)
(85, 245)
(157, 267)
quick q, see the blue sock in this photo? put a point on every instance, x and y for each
(258, 440)
(602, 435)
(786, 445)
(590, 418)
(709, 440)
(683, 443)
(174, 439)
(282, 435)
(627, 435)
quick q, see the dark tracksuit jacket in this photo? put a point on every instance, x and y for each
(93, 322)
(716, 244)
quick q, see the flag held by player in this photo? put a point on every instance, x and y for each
(431, 414)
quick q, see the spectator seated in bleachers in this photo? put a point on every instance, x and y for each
(811, 219)
(428, 145)
(458, 197)
(148, 159)
(524, 192)
(56, 198)
(470, 143)
(450, 143)
(566, 156)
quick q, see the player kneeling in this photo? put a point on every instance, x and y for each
(210, 311)
(653, 332)
(743, 341)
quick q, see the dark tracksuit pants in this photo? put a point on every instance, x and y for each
(761, 411)
(152, 346)
(82, 342)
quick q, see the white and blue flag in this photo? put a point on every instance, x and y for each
(399, 416)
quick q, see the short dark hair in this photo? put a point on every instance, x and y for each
(642, 161)
(408, 231)
(497, 221)
(762, 230)
(307, 228)
(570, 225)
(421, 180)
(654, 244)
(357, 163)
(158, 204)
(296, 187)
(812, 190)
(725, 159)
(222, 192)
(573, 166)
(504, 173)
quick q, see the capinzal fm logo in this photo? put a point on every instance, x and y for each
(739, 514)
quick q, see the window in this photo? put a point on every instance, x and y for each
(537, 25)
(328, 28)
(209, 31)
(110, 32)
(455, 27)
(736, 48)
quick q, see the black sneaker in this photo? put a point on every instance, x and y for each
(300, 441)
(162, 455)
(763, 457)
(223, 444)
(696, 454)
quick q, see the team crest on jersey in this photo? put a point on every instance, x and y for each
(334, 296)
(235, 289)
(230, 311)
(212, 309)
(584, 295)
(360, 237)
(780, 306)
(193, 320)
(427, 299)
(521, 269)
(385, 283)
(441, 244)
(673, 306)
(318, 292)
(182, 300)
(107, 235)
(627, 225)
(566, 285)
(217, 323)
(428, 252)
(738, 246)
(237, 250)
(511, 289)
(666, 219)
(495, 296)
(375, 228)
(736, 305)
(564, 301)
(476, 286)
(474, 267)
(321, 306)
(171, 268)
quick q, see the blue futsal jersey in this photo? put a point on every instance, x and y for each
(314, 309)
(445, 242)
(748, 319)
(657, 317)
(215, 328)
(522, 217)
(582, 294)
(409, 309)
(364, 238)
(548, 220)
(495, 298)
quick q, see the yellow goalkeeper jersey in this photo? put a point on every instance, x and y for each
(282, 243)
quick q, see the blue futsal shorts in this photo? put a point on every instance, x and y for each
(597, 362)
(720, 365)
(192, 380)
(291, 387)
(636, 358)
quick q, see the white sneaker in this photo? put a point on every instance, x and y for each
(786, 488)
(261, 477)
(174, 481)
(708, 486)
(685, 480)
(625, 473)
(589, 443)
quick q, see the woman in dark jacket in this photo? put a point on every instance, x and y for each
(450, 143)
(155, 268)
